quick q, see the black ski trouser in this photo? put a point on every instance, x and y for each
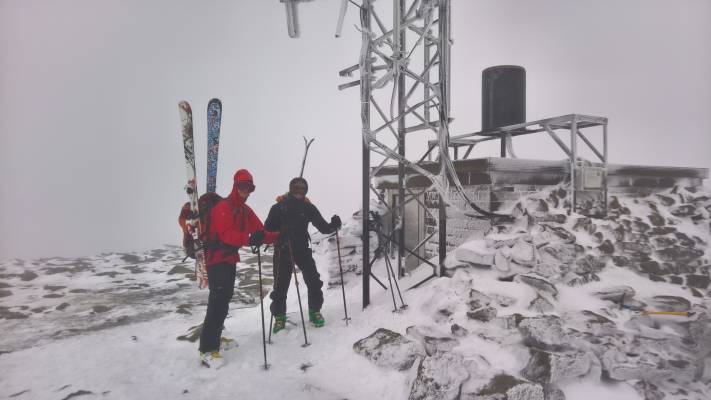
(221, 281)
(283, 270)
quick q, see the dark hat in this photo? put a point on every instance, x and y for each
(299, 180)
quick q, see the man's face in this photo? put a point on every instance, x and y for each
(244, 189)
(298, 190)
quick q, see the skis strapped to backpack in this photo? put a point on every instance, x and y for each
(214, 119)
(192, 221)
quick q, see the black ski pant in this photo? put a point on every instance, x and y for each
(283, 270)
(221, 281)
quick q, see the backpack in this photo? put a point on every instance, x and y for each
(206, 203)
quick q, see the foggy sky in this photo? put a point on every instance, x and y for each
(90, 150)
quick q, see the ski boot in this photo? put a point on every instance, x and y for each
(227, 343)
(279, 323)
(212, 359)
(316, 318)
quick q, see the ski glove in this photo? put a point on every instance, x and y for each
(256, 238)
(336, 222)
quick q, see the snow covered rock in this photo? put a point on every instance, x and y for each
(669, 303)
(483, 314)
(545, 332)
(525, 391)
(539, 283)
(351, 248)
(433, 341)
(700, 334)
(615, 293)
(586, 323)
(505, 387)
(541, 305)
(622, 367)
(550, 270)
(459, 331)
(480, 305)
(389, 349)
(474, 257)
(440, 377)
(589, 264)
(550, 367)
(561, 253)
(648, 390)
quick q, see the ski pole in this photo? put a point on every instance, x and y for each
(271, 319)
(343, 289)
(390, 282)
(298, 294)
(261, 305)
(397, 286)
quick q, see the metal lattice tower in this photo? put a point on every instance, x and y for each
(404, 85)
(404, 88)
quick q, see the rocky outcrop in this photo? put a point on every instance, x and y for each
(440, 377)
(389, 349)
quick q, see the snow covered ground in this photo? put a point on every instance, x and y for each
(117, 337)
(528, 325)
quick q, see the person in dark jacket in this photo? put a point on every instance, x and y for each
(233, 224)
(291, 216)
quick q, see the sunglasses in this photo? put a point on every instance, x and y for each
(246, 186)
(298, 188)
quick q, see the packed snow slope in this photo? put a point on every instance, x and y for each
(551, 306)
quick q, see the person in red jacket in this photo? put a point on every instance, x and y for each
(233, 224)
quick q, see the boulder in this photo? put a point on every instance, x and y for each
(551, 367)
(606, 247)
(698, 281)
(433, 341)
(541, 305)
(661, 242)
(684, 210)
(526, 391)
(483, 314)
(624, 366)
(539, 283)
(560, 253)
(615, 293)
(588, 264)
(497, 388)
(389, 349)
(585, 224)
(474, 257)
(458, 330)
(592, 323)
(669, 303)
(656, 220)
(440, 377)
(544, 332)
(666, 200)
(648, 391)
(501, 262)
(550, 270)
(679, 254)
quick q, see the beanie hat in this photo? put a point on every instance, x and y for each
(299, 180)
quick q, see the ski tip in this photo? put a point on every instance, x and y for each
(214, 100)
(184, 105)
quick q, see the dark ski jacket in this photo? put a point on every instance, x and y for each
(232, 221)
(291, 217)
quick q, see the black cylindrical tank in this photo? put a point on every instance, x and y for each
(503, 96)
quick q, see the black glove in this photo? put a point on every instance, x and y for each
(336, 222)
(256, 238)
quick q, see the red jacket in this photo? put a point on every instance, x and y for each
(232, 221)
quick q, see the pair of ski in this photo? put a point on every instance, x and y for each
(214, 119)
